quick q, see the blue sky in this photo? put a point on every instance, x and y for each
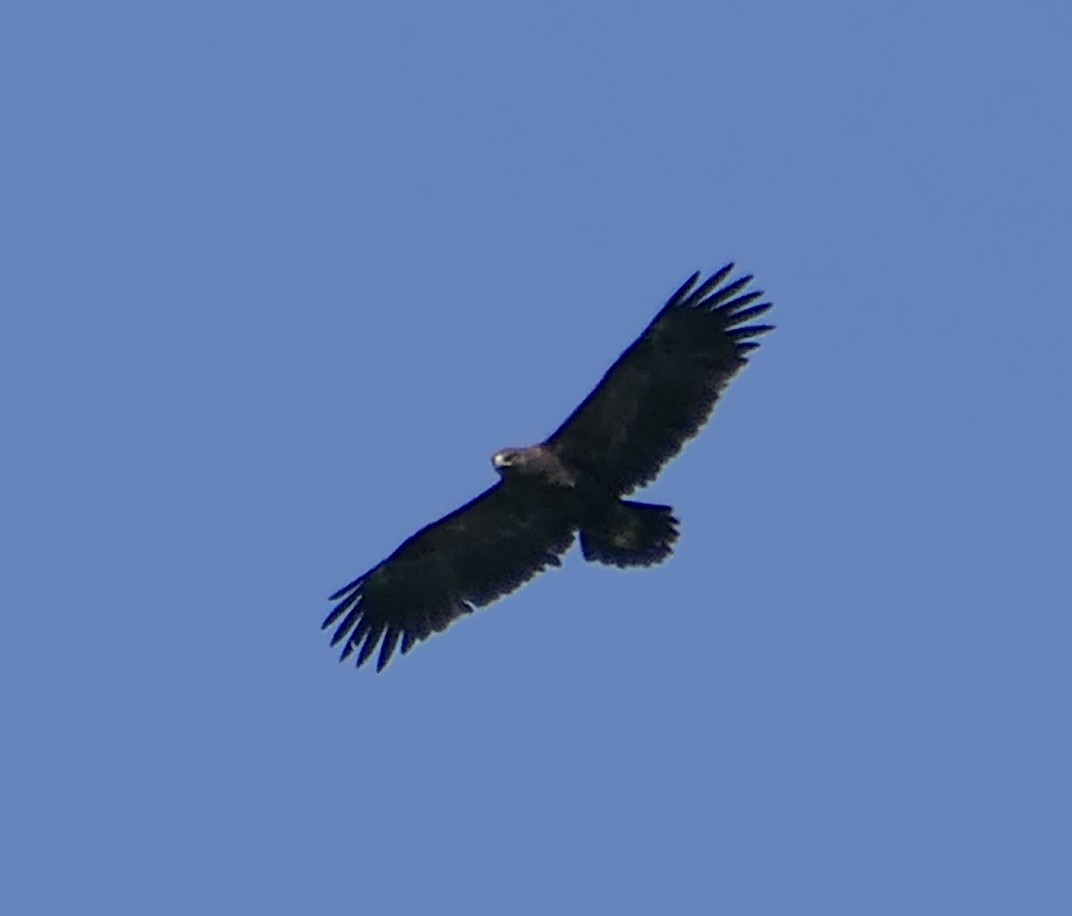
(276, 282)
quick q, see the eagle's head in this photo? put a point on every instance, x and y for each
(514, 462)
(536, 461)
(508, 460)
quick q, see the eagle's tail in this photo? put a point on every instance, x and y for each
(633, 534)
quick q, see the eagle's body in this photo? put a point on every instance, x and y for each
(654, 398)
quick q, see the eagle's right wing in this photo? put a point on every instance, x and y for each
(486, 549)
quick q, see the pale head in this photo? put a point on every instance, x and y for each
(505, 459)
(535, 461)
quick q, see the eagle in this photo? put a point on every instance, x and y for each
(655, 397)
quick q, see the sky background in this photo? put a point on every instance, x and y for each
(276, 280)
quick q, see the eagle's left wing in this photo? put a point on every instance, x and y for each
(662, 389)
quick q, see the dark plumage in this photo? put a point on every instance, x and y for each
(654, 398)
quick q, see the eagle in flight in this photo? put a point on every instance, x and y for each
(654, 398)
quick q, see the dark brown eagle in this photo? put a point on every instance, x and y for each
(653, 399)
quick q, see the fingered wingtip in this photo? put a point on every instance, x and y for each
(349, 587)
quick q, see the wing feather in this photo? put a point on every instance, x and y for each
(663, 388)
(486, 549)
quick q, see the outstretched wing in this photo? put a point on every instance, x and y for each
(663, 388)
(480, 552)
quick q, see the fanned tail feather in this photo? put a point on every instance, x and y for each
(634, 534)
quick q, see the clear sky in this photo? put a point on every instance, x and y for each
(277, 279)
